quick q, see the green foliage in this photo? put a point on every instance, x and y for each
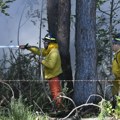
(18, 111)
(106, 109)
(117, 109)
(100, 2)
(30, 87)
(22, 67)
(4, 5)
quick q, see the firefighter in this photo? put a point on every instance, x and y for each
(116, 64)
(51, 63)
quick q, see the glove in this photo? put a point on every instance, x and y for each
(24, 46)
(40, 60)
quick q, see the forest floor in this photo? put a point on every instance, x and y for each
(108, 118)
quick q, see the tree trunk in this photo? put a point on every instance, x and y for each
(59, 25)
(52, 14)
(63, 36)
(85, 51)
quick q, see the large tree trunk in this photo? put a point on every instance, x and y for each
(63, 36)
(85, 51)
(52, 14)
(59, 25)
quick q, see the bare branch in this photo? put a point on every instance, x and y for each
(9, 88)
(103, 11)
(83, 105)
(39, 108)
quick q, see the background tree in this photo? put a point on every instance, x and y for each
(85, 51)
(107, 24)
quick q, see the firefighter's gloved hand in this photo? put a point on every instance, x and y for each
(40, 60)
(24, 46)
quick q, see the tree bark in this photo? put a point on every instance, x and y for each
(63, 36)
(85, 51)
(52, 14)
(59, 25)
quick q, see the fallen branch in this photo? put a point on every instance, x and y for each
(90, 104)
(92, 96)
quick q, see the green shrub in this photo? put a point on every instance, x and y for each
(18, 111)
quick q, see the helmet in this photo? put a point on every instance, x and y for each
(49, 38)
(116, 39)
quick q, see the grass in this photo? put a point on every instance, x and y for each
(18, 111)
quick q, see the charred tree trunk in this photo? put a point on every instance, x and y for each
(59, 25)
(85, 51)
(63, 36)
(52, 14)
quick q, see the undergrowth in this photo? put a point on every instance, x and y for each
(18, 111)
(107, 109)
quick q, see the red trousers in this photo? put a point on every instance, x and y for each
(55, 89)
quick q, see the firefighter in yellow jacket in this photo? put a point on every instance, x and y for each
(51, 63)
(116, 64)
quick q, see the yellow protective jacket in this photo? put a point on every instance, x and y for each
(116, 72)
(116, 65)
(52, 61)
